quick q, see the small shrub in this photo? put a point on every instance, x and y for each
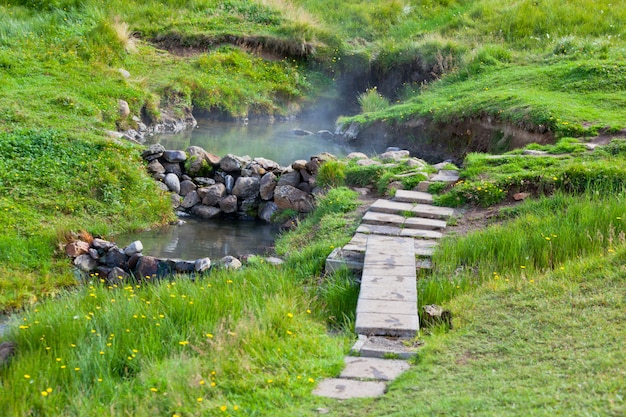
(363, 176)
(372, 101)
(331, 174)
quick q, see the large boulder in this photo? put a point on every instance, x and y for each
(114, 257)
(153, 152)
(228, 204)
(133, 248)
(190, 200)
(155, 167)
(267, 210)
(289, 197)
(290, 178)
(172, 182)
(246, 187)
(173, 168)
(85, 263)
(205, 212)
(199, 161)
(147, 267)
(175, 156)
(230, 163)
(212, 195)
(187, 187)
(76, 248)
(267, 164)
(267, 186)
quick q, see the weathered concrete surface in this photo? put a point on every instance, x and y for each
(371, 229)
(343, 389)
(382, 347)
(407, 196)
(373, 217)
(417, 210)
(373, 368)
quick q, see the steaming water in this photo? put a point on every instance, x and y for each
(275, 141)
(200, 238)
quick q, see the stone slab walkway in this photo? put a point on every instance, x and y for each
(394, 239)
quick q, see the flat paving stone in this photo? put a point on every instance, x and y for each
(382, 324)
(372, 229)
(366, 305)
(381, 347)
(417, 210)
(423, 247)
(407, 196)
(373, 368)
(389, 282)
(378, 218)
(344, 389)
(446, 175)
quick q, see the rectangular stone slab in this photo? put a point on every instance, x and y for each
(422, 223)
(418, 210)
(377, 292)
(366, 305)
(382, 324)
(407, 196)
(371, 229)
(372, 368)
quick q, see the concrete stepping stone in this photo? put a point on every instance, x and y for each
(373, 368)
(423, 248)
(378, 218)
(407, 196)
(383, 324)
(372, 229)
(382, 347)
(416, 210)
(344, 389)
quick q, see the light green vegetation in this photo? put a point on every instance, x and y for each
(544, 65)
(488, 179)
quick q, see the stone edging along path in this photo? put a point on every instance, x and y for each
(394, 239)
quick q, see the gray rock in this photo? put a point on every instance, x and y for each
(187, 187)
(325, 134)
(184, 266)
(75, 248)
(288, 197)
(415, 163)
(172, 182)
(267, 164)
(246, 187)
(173, 168)
(212, 195)
(256, 170)
(299, 164)
(190, 200)
(267, 210)
(156, 167)
(305, 186)
(147, 268)
(94, 253)
(352, 132)
(367, 162)
(301, 132)
(199, 160)
(116, 276)
(176, 200)
(175, 156)
(204, 181)
(202, 265)
(230, 262)
(267, 186)
(123, 108)
(124, 73)
(133, 248)
(228, 204)
(394, 155)
(229, 182)
(132, 261)
(313, 166)
(230, 163)
(306, 177)
(205, 212)
(153, 152)
(85, 263)
(114, 257)
(274, 261)
(533, 152)
(290, 178)
(102, 244)
(357, 155)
